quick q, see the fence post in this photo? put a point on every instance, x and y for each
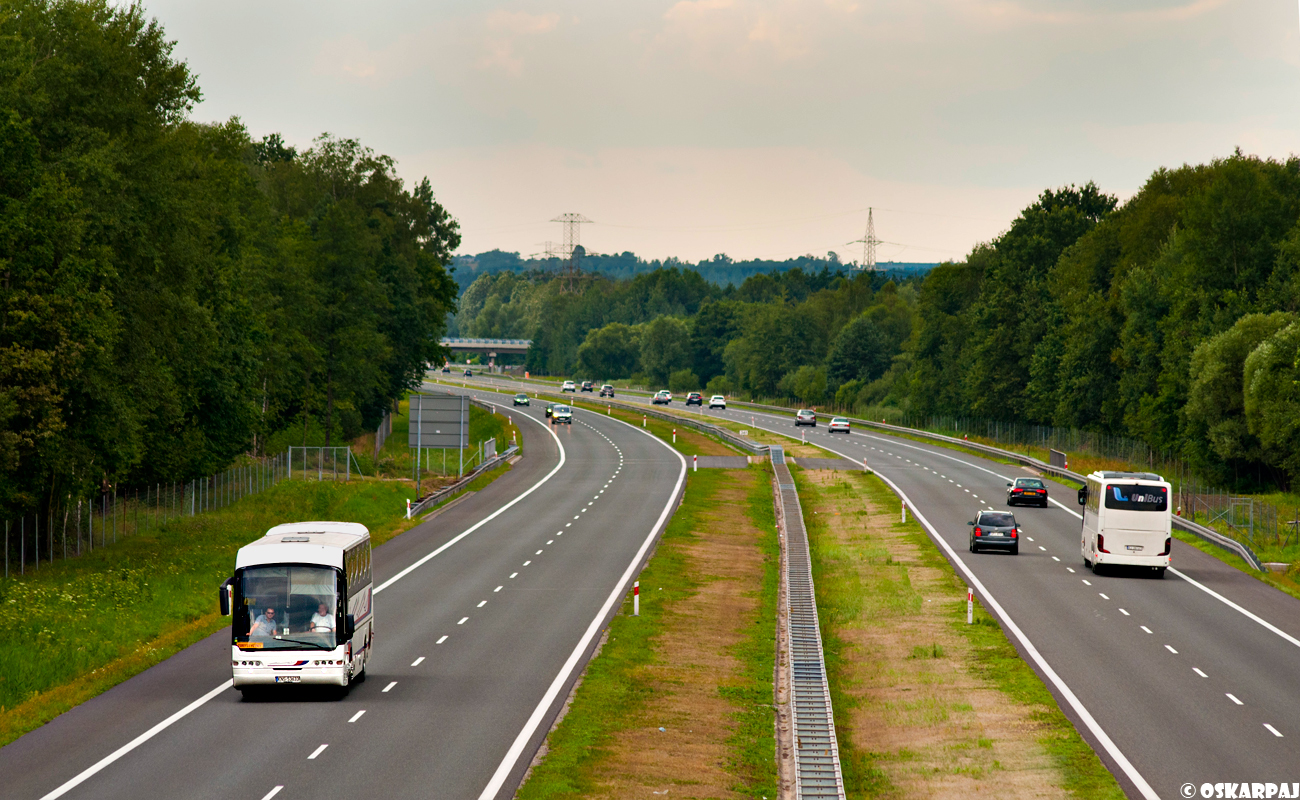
(6, 548)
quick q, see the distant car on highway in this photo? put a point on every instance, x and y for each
(607, 390)
(805, 416)
(718, 401)
(839, 425)
(561, 414)
(586, 386)
(550, 407)
(521, 399)
(568, 386)
(446, 370)
(662, 398)
(694, 399)
(994, 530)
(1025, 491)
(469, 374)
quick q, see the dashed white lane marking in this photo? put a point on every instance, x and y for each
(1273, 730)
(568, 524)
(1125, 613)
(513, 574)
(1069, 569)
(575, 516)
(1197, 670)
(551, 541)
(538, 553)
(1145, 628)
(1170, 649)
(417, 662)
(1103, 595)
(1235, 700)
(499, 588)
(959, 486)
(482, 603)
(1044, 549)
(526, 563)
(463, 620)
(272, 793)
(317, 752)
(1054, 558)
(1030, 538)
(389, 687)
(441, 639)
(1086, 582)
(357, 715)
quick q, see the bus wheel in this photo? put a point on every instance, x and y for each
(1160, 572)
(1097, 569)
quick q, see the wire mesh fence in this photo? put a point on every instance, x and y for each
(322, 463)
(71, 526)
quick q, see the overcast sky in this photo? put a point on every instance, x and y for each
(758, 128)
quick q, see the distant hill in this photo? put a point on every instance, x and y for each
(719, 270)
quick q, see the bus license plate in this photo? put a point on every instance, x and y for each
(1135, 547)
(287, 678)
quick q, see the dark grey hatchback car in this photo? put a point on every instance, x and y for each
(994, 530)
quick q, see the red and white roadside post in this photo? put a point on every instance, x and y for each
(970, 606)
(904, 517)
(636, 598)
(864, 465)
(408, 509)
(695, 463)
(674, 436)
(643, 419)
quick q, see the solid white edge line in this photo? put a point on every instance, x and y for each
(488, 518)
(616, 594)
(1293, 640)
(134, 743)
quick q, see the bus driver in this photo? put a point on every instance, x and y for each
(322, 621)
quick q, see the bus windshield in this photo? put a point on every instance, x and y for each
(1137, 497)
(286, 607)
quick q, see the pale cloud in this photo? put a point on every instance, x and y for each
(505, 29)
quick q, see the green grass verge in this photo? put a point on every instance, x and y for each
(843, 599)
(614, 690)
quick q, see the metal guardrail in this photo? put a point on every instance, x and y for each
(816, 750)
(447, 491)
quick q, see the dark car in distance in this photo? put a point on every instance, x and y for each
(607, 390)
(694, 399)
(521, 399)
(446, 370)
(994, 530)
(586, 386)
(469, 374)
(1027, 491)
(549, 408)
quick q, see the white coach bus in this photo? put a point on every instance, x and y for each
(1126, 521)
(301, 603)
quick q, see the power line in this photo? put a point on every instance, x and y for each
(868, 242)
(572, 230)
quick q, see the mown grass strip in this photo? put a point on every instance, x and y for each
(843, 599)
(619, 684)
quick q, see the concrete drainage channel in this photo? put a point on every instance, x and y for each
(816, 751)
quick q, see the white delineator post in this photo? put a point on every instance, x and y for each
(904, 518)
(636, 598)
(674, 436)
(408, 509)
(695, 463)
(970, 606)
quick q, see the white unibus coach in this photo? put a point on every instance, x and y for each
(301, 602)
(1126, 521)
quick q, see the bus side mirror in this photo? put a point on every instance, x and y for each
(224, 593)
(349, 626)
(1083, 496)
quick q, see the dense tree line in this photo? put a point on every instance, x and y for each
(1173, 318)
(173, 294)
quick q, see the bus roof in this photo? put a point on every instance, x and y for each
(303, 543)
(1127, 476)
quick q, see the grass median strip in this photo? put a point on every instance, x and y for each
(925, 704)
(679, 700)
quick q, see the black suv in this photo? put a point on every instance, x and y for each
(586, 386)
(1026, 491)
(694, 399)
(469, 374)
(994, 530)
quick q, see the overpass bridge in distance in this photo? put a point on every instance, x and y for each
(489, 347)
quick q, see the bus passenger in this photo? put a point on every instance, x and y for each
(322, 621)
(263, 626)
